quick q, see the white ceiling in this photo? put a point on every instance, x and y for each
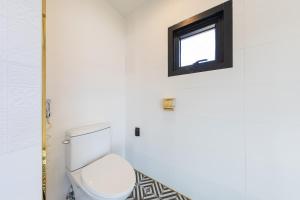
(125, 7)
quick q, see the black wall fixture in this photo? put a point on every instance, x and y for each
(137, 131)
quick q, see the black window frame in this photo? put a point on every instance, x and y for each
(221, 17)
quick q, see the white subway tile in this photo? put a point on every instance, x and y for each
(24, 28)
(24, 111)
(275, 63)
(3, 38)
(18, 75)
(3, 7)
(271, 21)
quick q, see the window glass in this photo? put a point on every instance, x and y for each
(199, 47)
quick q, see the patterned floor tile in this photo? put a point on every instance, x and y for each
(148, 189)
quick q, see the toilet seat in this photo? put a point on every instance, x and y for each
(109, 177)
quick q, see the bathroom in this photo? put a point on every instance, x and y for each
(103, 67)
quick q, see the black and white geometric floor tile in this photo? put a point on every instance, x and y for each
(148, 189)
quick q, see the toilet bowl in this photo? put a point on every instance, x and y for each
(94, 172)
(108, 178)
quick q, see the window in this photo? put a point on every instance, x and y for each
(202, 43)
(200, 47)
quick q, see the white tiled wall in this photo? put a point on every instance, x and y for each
(20, 99)
(235, 132)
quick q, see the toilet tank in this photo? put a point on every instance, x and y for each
(86, 144)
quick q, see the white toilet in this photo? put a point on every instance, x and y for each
(95, 173)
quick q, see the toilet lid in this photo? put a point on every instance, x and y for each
(109, 177)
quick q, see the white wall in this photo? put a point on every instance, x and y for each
(85, 76)
(20, 100)
(235, 132)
